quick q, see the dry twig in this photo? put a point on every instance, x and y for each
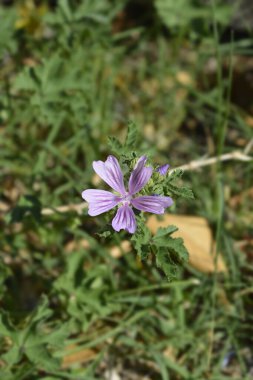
(248, 147)
(236, 155)
(62, 209)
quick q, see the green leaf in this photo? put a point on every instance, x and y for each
(176, 246)
(6, 374)
(141, 239)
(65, 9)
(129, 145)
(170, 252)
(171, 14)
(167, 185)
(115, 145)
(57, 338)
(104, 234)
(163, 261)
(132, 136)
(6, 329)
(184, 192)
(176, 174)
(162, 233)
(12, 356)
(39, 355)
(42, 312)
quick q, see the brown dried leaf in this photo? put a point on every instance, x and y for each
(79, 357)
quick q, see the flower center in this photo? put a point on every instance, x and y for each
(126, 199)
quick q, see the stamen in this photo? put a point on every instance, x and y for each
(126, 199)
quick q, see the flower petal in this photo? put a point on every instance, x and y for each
(163, 169)
(124, 219)
(165, 201)
(111, 173)
(99, 201)
(139, 176)
(152, 203)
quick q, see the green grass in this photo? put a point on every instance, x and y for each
(68, 82)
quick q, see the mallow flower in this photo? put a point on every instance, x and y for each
(101, 201)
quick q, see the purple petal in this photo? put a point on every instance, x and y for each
(152, 203)
(99, 201)
(124, 219)
(163, 169)
(139, 176)
(165, 201)
(111, 173)
(142, 160)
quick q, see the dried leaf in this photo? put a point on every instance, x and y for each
(82, 356)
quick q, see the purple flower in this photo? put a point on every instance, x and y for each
(163, 169)
(101, 201)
